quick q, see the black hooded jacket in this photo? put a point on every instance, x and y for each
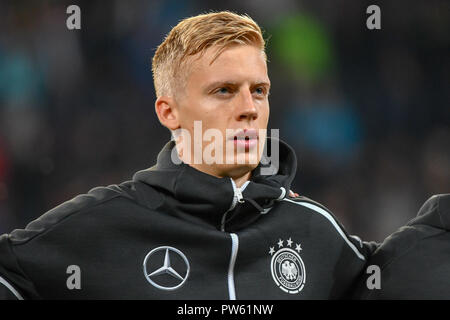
(414, 262)
(173, 232)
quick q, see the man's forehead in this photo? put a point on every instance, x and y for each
(215, 54)
(231, 66)
(219, 53)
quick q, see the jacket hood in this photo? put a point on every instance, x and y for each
(435, 212)
(194, 195)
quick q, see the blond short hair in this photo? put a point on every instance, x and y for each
(195, 35)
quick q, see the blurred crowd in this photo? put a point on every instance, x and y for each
(367, 111)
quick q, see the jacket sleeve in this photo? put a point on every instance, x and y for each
(14, 284)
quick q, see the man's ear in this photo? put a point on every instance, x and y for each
(167, 112)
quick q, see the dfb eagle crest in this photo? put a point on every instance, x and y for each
(287, 267)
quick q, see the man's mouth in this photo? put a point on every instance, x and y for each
(245, 139)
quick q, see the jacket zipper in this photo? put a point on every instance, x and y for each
(237, 198)
(234, 251)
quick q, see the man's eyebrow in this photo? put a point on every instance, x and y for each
(216, 84)
(220, 83)
(265, 83)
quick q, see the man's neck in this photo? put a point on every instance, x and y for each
(239, 181)
(239, 176)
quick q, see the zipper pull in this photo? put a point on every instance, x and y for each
(240, 197)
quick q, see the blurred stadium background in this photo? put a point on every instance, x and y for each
(367, 111)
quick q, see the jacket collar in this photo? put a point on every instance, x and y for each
(199, 197)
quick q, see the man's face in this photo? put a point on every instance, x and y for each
(231, 96)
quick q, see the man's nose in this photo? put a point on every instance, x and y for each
(247, 109)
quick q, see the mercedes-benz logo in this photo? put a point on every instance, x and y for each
(177, 278)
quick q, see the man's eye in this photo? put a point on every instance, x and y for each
(260, 91)
(223, 90)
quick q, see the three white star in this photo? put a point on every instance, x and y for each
(298, 246)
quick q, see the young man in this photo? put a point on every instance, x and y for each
(203, 223)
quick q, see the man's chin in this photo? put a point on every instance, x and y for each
(237, 165)
(235, 170)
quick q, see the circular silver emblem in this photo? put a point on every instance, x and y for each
(166, 268)
(288, 270)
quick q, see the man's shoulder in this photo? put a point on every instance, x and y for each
(407, 243)
(307, 205)
(325, 217)
(411, 262)
(417, 251)
(305, 200)
(98, 200)
(430, 223)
